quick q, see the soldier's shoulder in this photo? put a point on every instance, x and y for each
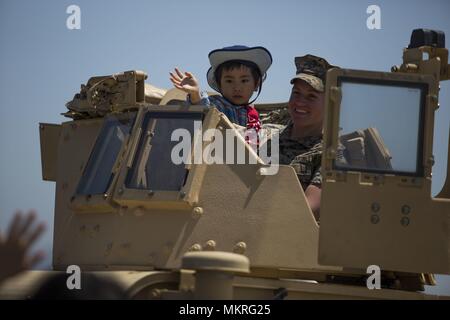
(279, 117)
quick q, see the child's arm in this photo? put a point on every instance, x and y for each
(188, 83)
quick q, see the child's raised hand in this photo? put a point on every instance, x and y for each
(185, 81)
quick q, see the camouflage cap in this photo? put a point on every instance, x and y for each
(313, 70)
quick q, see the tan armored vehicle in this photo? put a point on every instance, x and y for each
(201, 229)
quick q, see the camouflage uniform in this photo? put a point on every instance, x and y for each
(304, 155)
(279, 116)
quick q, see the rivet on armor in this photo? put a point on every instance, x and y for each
(240, 247)
(375, 207)
(374, 219)
(404, 221)
(197, 212)
(210, 245)
(195, 247)
(406, 209)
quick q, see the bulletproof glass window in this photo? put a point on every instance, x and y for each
(98, 173)
(153, 167)
(381, 126)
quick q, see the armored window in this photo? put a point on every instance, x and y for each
(153, 167)
(98, 173)
(381, 126)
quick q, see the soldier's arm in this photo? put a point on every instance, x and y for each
(313, 194)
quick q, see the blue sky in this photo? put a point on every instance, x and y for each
(43, 63)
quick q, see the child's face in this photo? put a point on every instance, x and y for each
(238, 85)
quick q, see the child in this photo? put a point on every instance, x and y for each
(236, 72)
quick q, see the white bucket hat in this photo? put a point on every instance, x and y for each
(258, 55)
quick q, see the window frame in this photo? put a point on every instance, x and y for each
(101, 202)
(146, 199)
(424, 90)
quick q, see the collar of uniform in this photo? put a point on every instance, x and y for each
(306, 141)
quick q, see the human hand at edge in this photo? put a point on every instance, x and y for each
(15, 245)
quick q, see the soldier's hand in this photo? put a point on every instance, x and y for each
(14, 246)
(186, 82)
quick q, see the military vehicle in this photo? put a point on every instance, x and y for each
(203, 230)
